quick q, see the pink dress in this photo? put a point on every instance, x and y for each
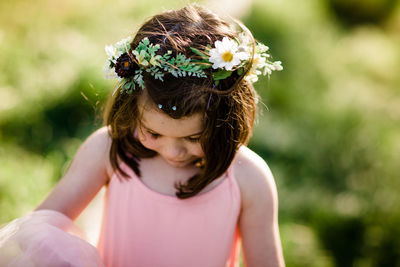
(140, 228)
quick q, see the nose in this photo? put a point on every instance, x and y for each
(174, 150)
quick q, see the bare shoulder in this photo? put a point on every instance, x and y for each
(87, 174)
(101, 138)
(258, 220)
(98, 145)
(254, 178)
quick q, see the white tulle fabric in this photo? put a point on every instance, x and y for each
(45, 238)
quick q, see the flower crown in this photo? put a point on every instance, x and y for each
(226, 57)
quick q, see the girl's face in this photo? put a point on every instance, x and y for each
(175, 140)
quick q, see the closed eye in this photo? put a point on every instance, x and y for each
(189, 138)
(154, 135)
(193, 139)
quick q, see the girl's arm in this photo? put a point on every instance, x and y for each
(258, 222)
(89, 171)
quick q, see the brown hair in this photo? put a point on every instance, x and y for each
(229, 108)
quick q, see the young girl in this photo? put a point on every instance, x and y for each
(182, 187)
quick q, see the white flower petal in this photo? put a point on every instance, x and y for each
(236, 60)
(110, 50)
(244, 39)
(261, 48)
(123, 43)
(243, 55)
(219, 57)
(218, 45)
(251, 77)
(277, 65)
(226, 40)
(228, 66)
(213, 53)
(109, 73)
(216, 65)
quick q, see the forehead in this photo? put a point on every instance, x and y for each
(156, 120)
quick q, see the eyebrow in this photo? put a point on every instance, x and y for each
(150, 130)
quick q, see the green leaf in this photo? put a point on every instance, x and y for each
(127, 85)
(146, 41)
(221, 74)
(152, 49)
(199, 53)
(201, 66)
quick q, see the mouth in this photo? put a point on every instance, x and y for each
(181, 163)
(176, 161)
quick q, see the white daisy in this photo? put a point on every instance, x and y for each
(226, 54)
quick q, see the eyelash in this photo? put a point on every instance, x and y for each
(193, 140)
(153, 135)
(190, 139)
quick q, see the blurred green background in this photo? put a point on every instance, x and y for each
(329, 128)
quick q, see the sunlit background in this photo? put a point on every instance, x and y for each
(329, 126)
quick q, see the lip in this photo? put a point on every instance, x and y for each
(177, 162)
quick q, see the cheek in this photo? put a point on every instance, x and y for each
(147, 141)
(197, 150)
